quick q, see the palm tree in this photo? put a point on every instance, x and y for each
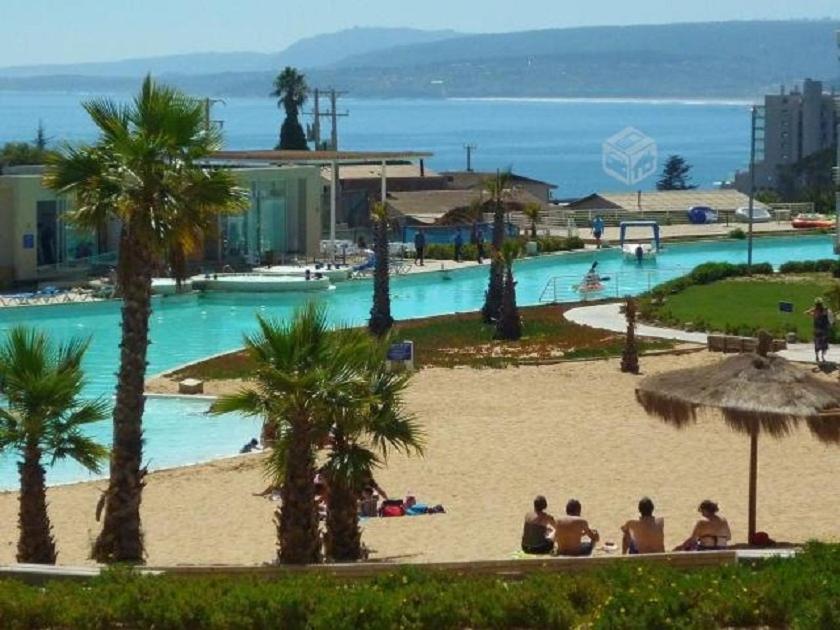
(533, 212)
(367, 425)
(300, 374)
(143, 172)
(380, 321)
(630, 354)
(291, 90)
(497, 187)
(508, 325)
(43, 417)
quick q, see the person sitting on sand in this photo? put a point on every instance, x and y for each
(569, 529)
(710, 532)
(369, 503)
(535, 536)
(645, 534)
(251, 446)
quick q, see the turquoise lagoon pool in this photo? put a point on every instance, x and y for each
(187, 328)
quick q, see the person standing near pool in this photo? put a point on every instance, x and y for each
(419, 247)
(479, 246)
(597, 230)
(459, 245)
(823, 320)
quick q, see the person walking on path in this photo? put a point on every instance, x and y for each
(419, 247)
(823, 319)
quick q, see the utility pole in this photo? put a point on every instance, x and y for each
(837, 167)
(470, 148)
(208, 106)
(333, 115)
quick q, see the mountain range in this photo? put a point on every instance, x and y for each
(715, 59)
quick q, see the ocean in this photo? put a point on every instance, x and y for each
(557, 140)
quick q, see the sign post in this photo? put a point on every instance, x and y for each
(401, 356)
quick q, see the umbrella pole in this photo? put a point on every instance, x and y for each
(753, 480)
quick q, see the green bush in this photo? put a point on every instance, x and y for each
(706, 274)
(545, 245)
(738, 234)
(802, 592)
(810, 266)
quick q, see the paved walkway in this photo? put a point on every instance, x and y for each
(608, 317)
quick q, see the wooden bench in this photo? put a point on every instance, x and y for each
(734, 344)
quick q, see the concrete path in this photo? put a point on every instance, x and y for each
(608, 317)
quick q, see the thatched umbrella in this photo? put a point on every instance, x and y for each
(755, 393)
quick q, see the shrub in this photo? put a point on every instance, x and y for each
(738, 234)
(810, 266)
(799, 592)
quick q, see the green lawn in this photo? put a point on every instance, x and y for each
(745, 305)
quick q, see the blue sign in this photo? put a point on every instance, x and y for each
(403, 351)
(28, 241)
(786, 307)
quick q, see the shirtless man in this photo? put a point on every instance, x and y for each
(535, 539)
(645, 534)
(710, 532)
(569, 529)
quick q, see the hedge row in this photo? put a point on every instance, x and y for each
(708, 273)
(545, 245)
(803, 592)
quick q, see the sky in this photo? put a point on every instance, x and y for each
(69, 31)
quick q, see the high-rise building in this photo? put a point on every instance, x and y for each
(796, 124)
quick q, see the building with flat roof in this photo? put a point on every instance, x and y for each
(39, 244)
(796, 124)
(721, 200)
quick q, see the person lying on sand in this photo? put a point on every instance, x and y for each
(710, 532)
(569, 529)
(535, 536)
(645, 534)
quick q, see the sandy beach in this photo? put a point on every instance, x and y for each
(495, 438)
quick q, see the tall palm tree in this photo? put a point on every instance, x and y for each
(143, 171)
(380, 321)
(533, 212)
(300, 373)
(43, 417)
(498, 189)
(291, 91)
(367, 425)
(508, 325)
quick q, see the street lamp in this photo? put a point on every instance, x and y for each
(756, 125)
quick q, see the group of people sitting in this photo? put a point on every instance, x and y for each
(571, 535)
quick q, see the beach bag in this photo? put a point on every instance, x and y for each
(392, 508)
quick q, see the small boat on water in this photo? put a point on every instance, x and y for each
(811, 220)
(256, 283)
(630, 251)
(334, 273)
(592, 284)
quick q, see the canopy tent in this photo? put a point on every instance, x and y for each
(651, 224)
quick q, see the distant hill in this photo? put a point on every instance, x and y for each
(720, 59)
(310, 52)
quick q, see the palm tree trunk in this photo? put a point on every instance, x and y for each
(297, 525)
(380, 314)
(493, 297)
(121, 538)
(751, 511)
(344, 538)
(36, 544)
(509, 326)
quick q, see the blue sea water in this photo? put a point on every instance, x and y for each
(558, 140)
(186, 328)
